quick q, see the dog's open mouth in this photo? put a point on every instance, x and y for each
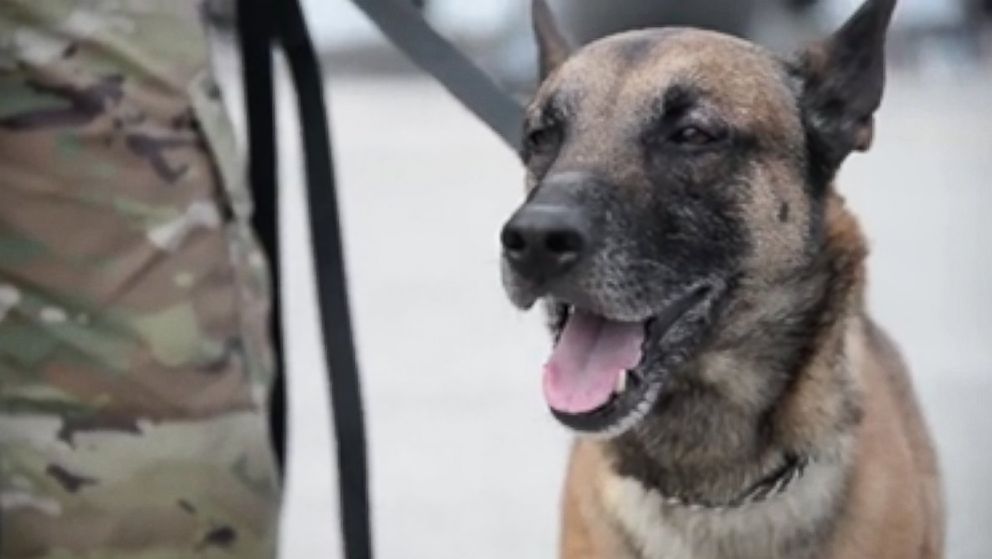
(595, 381)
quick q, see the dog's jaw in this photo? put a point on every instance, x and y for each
(671, 336)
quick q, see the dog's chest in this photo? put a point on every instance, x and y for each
(787, 526)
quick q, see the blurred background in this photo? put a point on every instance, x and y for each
(465, 461)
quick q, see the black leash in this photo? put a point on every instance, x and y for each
(261, 22)
(403, 23)
(332, 294)
(255, 36)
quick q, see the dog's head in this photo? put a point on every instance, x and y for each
(666, 169)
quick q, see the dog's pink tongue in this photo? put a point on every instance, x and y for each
(591, 353)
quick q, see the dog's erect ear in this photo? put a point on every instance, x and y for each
(553, 48)
(843, 77)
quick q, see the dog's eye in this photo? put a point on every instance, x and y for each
(543, 139)
(692, 136)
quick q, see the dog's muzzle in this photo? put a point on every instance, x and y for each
(604, 372)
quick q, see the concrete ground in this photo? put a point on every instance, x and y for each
(465, 460)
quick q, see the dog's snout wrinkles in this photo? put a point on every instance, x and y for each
(543, 241)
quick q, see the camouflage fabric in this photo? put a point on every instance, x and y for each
(134, 366)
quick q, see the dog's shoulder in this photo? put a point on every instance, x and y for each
(894, 503)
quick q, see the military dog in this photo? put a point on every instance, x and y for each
(704, 283)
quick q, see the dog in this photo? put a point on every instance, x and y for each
(705, 288)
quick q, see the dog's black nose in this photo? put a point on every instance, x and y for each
(543, 241)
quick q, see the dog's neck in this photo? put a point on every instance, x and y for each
(759, 392)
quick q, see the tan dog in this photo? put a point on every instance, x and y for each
(705, 284)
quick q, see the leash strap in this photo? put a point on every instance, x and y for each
(332, 295)
(255, 36)
(404, 25)
(261, 21)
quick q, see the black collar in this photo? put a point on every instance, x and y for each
(775, 483)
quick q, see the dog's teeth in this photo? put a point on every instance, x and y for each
(621, 382)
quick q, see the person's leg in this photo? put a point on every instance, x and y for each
(134, 361)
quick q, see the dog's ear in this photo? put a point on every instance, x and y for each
(842, 78)
(553, 48)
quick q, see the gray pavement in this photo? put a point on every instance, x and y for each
(465, 460)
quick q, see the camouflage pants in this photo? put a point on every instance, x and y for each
(134, 364)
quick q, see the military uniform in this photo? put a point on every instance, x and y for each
(134, 364)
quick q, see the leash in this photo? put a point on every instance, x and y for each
(332, 294)
(260, 24)
(255, 37)
(404, 25)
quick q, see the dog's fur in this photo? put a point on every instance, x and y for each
(783, 361)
